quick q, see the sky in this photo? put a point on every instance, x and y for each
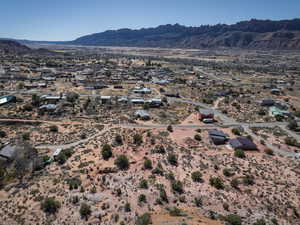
(64, 20)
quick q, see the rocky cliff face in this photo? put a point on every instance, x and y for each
(260, 34)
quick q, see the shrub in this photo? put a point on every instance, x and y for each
(26, 136)
(248, 180)
(172, 159)
(53, 128)
(177, 186)
(291, 141)
(147, 164)
(227, 172)
(2, 134)
(137, 139)
(160, 149)
(170, 128)
(27, 107)
(235, 183)
(74, 183)
(260, 222)
(122, 162)
(269, 152)
(197, 176)
(85, 210)
(106, 151)
(119, 139)
(233, 219)
(292, 125)
(197, 137)
(142, 198)
(144, 184)
(174, 211)
(236, 131)
(158, 170)
(216, 182)
(144, 219)
(163, 195)
(239, 153)
(198, 202)
(127, 207)
(50, 205)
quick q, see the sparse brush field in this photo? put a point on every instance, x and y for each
(150, 172)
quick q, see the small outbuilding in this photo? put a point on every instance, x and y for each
(218, 137)
(242, 143)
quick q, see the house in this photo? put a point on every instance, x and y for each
(274, 111)
(118, 87)
(8, 153)
(206, 114)
(52, 99)
(48, 107)
(137, 101)
(144, 90)
(142, 114)
(56, 153)
(7, 99)
(105, 99)
(242, 143)
(154, 102)
(267, 102)
(218, 137)
(123, 100)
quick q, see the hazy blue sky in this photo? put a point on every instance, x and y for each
(69, 19)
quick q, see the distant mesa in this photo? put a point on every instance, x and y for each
(252, 34)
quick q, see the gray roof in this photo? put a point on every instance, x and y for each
(8, 152)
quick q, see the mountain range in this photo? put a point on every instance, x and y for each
(253, 34)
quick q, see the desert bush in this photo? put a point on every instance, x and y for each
(248, 180)
(127, 207)
(269, 152)
(260, 222)
(143, 184)
(177, 186)
(50, 205)
(239, 153)
(144, 219)
(122, 162)
(172, 159)
(170, 128)
(197, 176)
(147, 164)
(119, 140)
(85, 211)
(2, 134)
(106, 151)
(53, 128)
(197, 137)
(216, 182)
(233, 219)
(142, 198)
(137, 139)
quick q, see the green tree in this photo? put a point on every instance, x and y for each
(147, 164)
(239, 153)
(197, 176)
(172, 159)
(216, 182)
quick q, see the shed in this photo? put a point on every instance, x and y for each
(142, 114)
(242, 143)
(218, 137)
(8, 152)
(206, 114)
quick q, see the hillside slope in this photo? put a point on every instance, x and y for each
(264, 34)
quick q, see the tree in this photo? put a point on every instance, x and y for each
(235, 183)
(72, 97)
(236, 131)
(269, 152)
(147, 164)
(127, 207)
(26, 136)
(50, 205)
(85, 210)
(197, 176)
(142, 198)
(122, 162)
(106, 151)
(248, 180)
